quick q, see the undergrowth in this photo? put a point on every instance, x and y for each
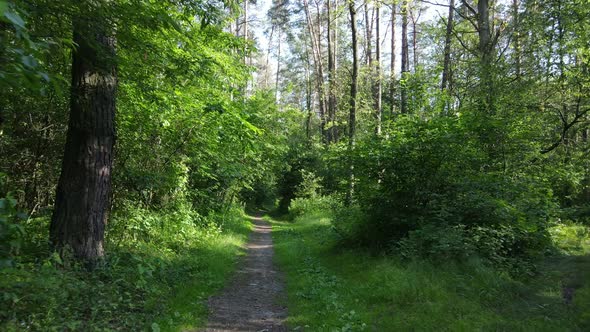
(331, 288)
(159, 271)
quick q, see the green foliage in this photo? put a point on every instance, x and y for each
(11, 231)
(336, 289)
(311, 205)
(21, 57)
(570, 237)
(144, 281)
(433, 182)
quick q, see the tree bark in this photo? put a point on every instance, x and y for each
(516, 38)
(277, 78)
(83, 191)
(392, 74)
(485, 48)
(377, 89)
(447, 49)
(245, 30)
(415, 17)
(332, 130)
(405, 57)
(368, 35)
(353, 96)
(317, 60)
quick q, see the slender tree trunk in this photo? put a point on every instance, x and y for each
(415, 17)
(378, 87)
(83, 191)
(322, 85)
(332, 135)
(316, 51)
(308, 92)
(266, 77)
(245, 30)
(392, 74)
(447, 49)
(516, 38)
(278, 75)
(485, 48)
(445, 85)
(353, 96)
(368, 35)
(405, 57)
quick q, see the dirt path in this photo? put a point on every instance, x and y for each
(249, 302)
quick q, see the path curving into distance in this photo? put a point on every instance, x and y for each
(250, 301)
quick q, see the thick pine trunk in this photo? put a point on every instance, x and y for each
(83, 191)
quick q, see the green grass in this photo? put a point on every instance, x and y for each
(159, 272)
(335, 289)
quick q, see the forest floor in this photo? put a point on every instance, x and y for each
(251, 301)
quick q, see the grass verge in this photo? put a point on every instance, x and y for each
(159, 271)
(334, 289)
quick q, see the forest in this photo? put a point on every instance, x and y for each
(282, 165)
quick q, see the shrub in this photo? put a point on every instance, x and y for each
(311, 205)
(441, 191)
(11, 231)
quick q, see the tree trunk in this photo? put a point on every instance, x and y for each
(415, 17)
(332, 130)
(245, 31)
(392, 74)
(317, 59)
(516, 38)
(266, 76)
(353, 96)
(447, 50)
(83, 191)
(485, 48)
(377, 89)
(368, 35)
(277, 78)
(405, 57)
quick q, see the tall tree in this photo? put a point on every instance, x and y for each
(83, 191)
(392, 64)
(332, 130)
(318, 64)
(353, 96)
(405, 57)
(415, 12)
(447, 47)
(516, 38)
(368, 34)
(485, 48)
(377, 88)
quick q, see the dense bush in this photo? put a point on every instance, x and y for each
(432, 189)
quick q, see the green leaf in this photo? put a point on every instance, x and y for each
(3, 6)
(28, 61)
(155, 327)
(15, 19)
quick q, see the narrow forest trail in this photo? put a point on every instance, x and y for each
(249, 302)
